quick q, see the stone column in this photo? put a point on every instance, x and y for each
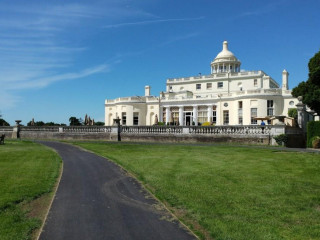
(161, 114)
(302, 115)
(195, 115)
(167, 114)
(16, 130)
(181, 122)
(210, 113)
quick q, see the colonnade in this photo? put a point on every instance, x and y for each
(192, 114)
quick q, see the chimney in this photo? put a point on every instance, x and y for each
(285, 77)
(147, 90)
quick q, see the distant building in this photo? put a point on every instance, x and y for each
(227, 96)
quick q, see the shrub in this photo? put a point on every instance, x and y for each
(206, 124)
(281, 139)
(315, 142)
(161, 123)
(313, 130)
(293, 113)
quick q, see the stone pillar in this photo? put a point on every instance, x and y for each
(181, 120)
(210, 113)
(161, 114)
(167, 114)
(16, 130)
(195, 115)
(302, 115)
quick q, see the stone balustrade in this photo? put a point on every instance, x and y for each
(217, 76)
(231, 130)
(211, 130)
(152, 129)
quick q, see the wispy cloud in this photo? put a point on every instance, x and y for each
(263, 10)
(45, 81)
(179, 38)
(35, 50)
(151, 22)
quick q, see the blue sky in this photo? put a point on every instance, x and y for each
(64, 58)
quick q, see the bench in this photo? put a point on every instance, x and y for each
(2, 138)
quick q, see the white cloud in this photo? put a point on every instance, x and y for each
(151, 22)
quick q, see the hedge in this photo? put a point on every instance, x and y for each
(313, 129)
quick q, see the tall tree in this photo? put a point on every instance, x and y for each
(74, 121)
(310, 90)
(4, 122)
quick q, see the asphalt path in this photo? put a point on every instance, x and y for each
(96, 199)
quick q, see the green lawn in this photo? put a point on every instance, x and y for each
(27, 171)
(225, 192)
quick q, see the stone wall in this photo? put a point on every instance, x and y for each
(232, 134)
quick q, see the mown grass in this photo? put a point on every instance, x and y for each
(27, 171)
(226, 192)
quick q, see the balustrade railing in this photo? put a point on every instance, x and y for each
(40, 129)
(153, 129)
(209, 130)
(86, 129)
(6, 129)
(231, 130)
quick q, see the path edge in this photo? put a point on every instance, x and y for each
(55, 189)
(144, 187)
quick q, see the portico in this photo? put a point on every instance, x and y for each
(188, 115)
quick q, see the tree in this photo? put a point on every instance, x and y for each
(4, 122)
(74, 121)
(310, 90)
(99, 123)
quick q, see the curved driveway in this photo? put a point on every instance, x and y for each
(97, 200)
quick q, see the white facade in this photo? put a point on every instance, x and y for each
(227, 96)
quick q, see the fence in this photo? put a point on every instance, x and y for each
(246, 133)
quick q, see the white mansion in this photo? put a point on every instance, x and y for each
(227, 96)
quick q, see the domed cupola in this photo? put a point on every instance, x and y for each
(225, 61)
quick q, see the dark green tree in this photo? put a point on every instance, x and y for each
(74, 121)
(99, 123)
(4, 122)
(310, 90)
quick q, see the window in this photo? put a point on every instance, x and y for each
(220, 84)
(226, 117)
(135, 118)
(198, 86)
(255, 82)
(202, 114)
(240, 113)
(174, 119)
(170, 88)
(270, 108)
(209, 85)
(124, 118)
(214, 114)
(254, 115)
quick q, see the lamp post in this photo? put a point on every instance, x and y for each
(117, 121)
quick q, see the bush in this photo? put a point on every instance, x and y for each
(161, 123)
(313, 130)
(206, 124)
(281, 139)
(315, 142)
(293, 113)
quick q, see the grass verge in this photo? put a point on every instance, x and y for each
(225, 192)
(28, 172)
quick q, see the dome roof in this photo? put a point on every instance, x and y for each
(225, 53)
